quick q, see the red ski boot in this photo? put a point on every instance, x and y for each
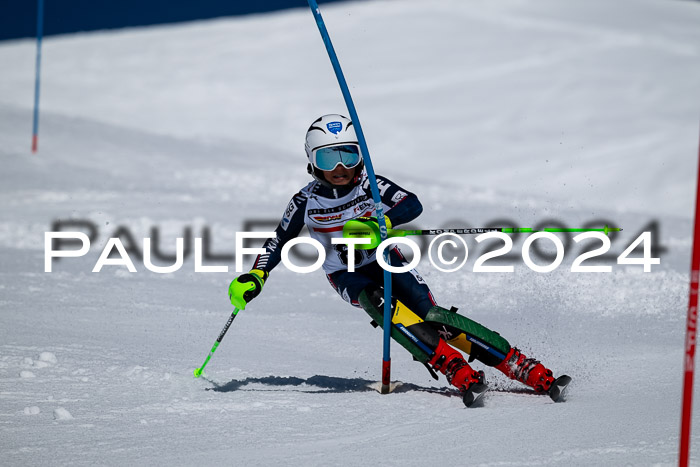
(458, 372)
(526, 370)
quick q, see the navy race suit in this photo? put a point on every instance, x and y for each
(324, 211)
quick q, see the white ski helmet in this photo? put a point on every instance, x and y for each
(331, 140)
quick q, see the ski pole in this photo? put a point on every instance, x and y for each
(198, 371)
(480, 230)
(358, 229)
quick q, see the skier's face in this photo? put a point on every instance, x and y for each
(340, 176)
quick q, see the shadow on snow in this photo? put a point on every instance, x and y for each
(320, 384)
(324, 384)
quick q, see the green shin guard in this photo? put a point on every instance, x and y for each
(421, 337)
(369, 300)
(477, 340)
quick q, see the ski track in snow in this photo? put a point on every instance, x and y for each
(572, 114)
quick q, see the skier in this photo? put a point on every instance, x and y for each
(340, 192)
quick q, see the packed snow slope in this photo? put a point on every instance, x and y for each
(512, 112)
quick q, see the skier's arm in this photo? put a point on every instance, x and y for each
(404, 206)
(289, 227)
(246, 287)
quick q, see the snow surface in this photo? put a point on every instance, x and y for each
(531, 112)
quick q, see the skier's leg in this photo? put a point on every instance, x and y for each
(490, 348)
(417, 312)
(420, 341)
(410, 287)
(421, 337)
(360, 288)
(349, 285)
(460, 332)
(423, 341)
(478, 341)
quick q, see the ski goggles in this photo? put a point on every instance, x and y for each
(328, 158)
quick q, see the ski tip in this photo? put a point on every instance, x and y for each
(473, 397)
(558, 390)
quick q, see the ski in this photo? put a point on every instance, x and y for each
(558, 389)
(472, 397)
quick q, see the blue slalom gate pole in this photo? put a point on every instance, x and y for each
(386, 363)
(39, 35)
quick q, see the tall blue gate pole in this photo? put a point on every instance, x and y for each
(39, 35)
(386, 362)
